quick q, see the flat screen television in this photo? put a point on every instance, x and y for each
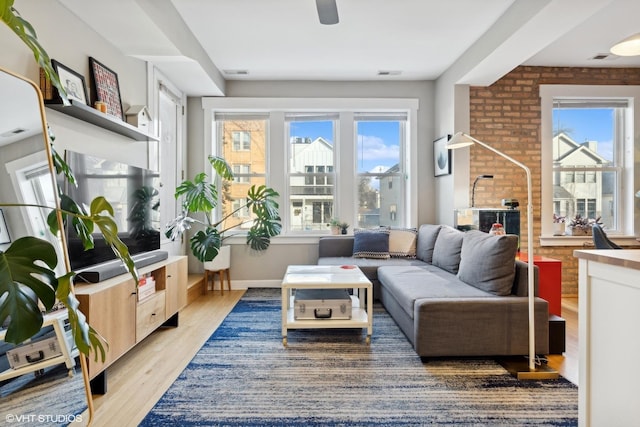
(133, 193)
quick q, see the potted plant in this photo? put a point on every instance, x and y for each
(27, 276)
(343, 226)
(201, 197)
(580, 226)
(558, 225)
(334, 226)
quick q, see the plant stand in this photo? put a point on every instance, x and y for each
(220, 265)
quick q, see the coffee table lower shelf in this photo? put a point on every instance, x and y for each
(359, 319)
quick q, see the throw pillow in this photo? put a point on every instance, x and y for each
(427, 235)
(371, 243)
(402, 242)
(446, 251)
(488, 262)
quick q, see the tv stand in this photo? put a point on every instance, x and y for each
(114, 311)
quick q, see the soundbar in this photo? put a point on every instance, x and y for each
(106, 270)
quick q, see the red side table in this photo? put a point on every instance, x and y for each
(549, 280)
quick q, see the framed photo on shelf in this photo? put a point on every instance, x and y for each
(4, 231)
(441, 156)
(106, 87)
(72, 81)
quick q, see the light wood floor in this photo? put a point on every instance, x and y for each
(140, 378)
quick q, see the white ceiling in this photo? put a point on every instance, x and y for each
(196, 42)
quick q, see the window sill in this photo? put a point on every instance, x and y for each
(583, 241)
(283, 239)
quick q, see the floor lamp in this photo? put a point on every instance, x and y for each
(460, 140)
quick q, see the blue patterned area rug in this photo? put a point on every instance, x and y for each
(243, 376)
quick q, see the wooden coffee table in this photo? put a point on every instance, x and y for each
(327, 277)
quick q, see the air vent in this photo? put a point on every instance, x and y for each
(236, 72)
(603, 56)
(13, 132)
(389, 73)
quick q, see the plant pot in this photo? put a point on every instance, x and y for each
(335, 230)
(578, 231)
(558, 228)
(222, 261)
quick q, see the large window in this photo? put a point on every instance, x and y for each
(379, 143)
(311, 170)
(349, 159)
(588, 142)
(242, 141)
(588, 147)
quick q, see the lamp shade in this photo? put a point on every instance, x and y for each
(459, 140)
(627, 47)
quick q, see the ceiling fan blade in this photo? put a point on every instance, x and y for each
(327, 12)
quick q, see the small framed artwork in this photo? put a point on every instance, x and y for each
(73, 82)
(441, 156)
(4, 231)
(106, 87)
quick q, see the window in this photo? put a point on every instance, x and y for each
(587, 155)
(243, 144)
(380, 142)
(311, 160)
(241, 140)
(308, 151)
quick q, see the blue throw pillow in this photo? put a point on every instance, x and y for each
(371, 244)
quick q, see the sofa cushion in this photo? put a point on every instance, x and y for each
(371, 243)
(427, 235)
(488, 262)
(402, 242)
(446, 251)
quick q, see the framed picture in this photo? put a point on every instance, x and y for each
(73, 82)
(106, 87)
(441, 156)
(4, 231)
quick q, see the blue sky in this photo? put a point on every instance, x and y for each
(378, 142)
(594, 124)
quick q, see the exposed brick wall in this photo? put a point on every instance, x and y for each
(507, 115)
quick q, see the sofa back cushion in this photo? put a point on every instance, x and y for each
(371, 243)
(446, 251)
(488, 262)
(402, 242)
(427, 235)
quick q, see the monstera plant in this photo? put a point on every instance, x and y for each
(27, 276)
(201, 197)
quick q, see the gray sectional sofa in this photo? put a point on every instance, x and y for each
(463, 294)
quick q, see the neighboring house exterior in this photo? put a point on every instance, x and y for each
(580, 187)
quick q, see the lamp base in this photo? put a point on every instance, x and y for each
(519, 368)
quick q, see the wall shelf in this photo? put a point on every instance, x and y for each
(91, 115)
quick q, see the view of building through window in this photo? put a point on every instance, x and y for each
(588, 140)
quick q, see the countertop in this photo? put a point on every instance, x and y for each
(629, 258)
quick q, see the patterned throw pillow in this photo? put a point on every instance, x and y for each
(371, 243)
(402, 242)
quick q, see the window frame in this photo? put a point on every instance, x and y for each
(276, 157)
(629, 215)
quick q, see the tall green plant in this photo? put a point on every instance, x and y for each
(202, 197)
(27, 276)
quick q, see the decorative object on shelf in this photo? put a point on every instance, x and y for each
(4, 230)
(343, 227)
(203, 197)
(139, 116)
(100, 106)
(106, 87)
(73, 83)
(497, 230)
(532, 371)
(441, 156)
(558, 225)
(334, 225)
(580, 226)
(473, 191)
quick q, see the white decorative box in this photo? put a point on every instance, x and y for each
(146, 288)
(34, 352)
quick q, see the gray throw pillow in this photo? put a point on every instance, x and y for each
(446, 251)
(427, 235)
(488, 262)
(371, 243)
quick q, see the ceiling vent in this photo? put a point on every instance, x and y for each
(389, 73)
(603, 56)
(236, 72)
(13, 132)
